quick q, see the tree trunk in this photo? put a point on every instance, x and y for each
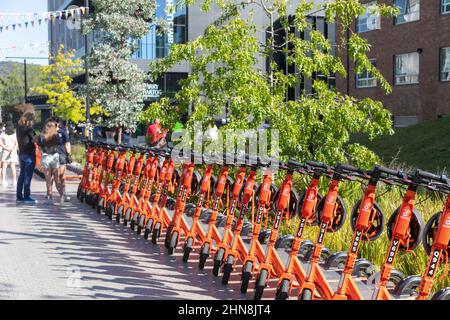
(119, 136)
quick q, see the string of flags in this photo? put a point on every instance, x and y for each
(24, 47)
(16, 21)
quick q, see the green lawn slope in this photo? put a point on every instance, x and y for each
(425, 146)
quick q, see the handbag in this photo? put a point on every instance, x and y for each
(38, 154)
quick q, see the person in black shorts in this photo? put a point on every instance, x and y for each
(64, 151)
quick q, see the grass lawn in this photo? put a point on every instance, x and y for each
(425, 146)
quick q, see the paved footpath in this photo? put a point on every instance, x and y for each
(52, 251)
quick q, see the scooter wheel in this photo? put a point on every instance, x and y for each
(306, 295)
(227, 269)
(363, 268)
(156, 233)
(95, 199)
(132, 224)
(339, 215)
(261, 284)
(407, 286)
(83, 196)
(336, 260)
(264, 236)
(284, 242)
(173, 243)
(429, 233)
(416, 226)
(246, 275)
(139, 230)
(325, 254)
(283, 290)
(108, 210)
(146, 233)
(127, 217)
(119, 212)
(79, 192)
(167, 238)
(187, 249)
(376, 224)
(443, 294)
(218, 261)
(204, 254)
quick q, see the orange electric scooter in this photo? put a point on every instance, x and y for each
(196, 230)
(266, 268)
(404, 230)
(294, 275)
(87, 171)
(147, 221)
(237, 249)
(250, 261)
(367, 222)
(436, 236)
(225, 243)
(332, 213)
(207, 244)
(115, 198)
(105, 192)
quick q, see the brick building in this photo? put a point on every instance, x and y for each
(412, 51)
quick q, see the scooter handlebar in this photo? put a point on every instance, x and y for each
(431, 176)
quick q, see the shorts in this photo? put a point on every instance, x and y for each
(50, 161)
(62, 159)
(9, 157)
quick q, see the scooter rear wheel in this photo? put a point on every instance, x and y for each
(283, 290)
(416, 227)
(261, 284)
(246, 276)
(443, 294)
(218, 261)
(227, 269)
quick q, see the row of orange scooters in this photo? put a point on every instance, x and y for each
(236, 222)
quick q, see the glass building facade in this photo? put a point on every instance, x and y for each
(157, 44)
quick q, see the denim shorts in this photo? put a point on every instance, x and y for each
(50, 161)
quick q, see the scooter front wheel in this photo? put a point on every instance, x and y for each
(204, 254)
(187, 249)
(261, 284)
(156, 233)
(173, 242)
(246, 275)
(283, 290)
(218, 261)
(227, 269)
(306, 295)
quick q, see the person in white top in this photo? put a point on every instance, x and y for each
(8, 141)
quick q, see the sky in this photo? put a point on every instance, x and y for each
(22, 36)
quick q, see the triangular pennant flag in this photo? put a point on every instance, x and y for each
(1, 29)
(14, 27)
(7, 27)
(72, 12)
(19, 25)
(26, 24)
(82, 10)
(32, 23)
(39, 21)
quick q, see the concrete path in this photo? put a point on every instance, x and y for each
(52, 251)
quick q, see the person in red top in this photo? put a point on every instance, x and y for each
(156, 135)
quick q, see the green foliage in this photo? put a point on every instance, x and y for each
(66, 103)
(116, 83)
(314, 126)
(12, 81)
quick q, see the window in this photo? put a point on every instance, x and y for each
(445, 6)
(366, 79)
(409, 11)
(407, 68)
(368, 21)
(445, 64)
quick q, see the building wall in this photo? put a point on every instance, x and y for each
(429, 98)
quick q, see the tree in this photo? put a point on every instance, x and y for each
(12, 81)
(66, 103)
(315, 126)
(117, 83)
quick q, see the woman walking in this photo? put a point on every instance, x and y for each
(8, 140)
(49, 142)
(27, 157)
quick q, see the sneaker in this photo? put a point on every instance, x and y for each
(66, 199)
(48, 199)
(14, 183)
(30, 201)
(4, 183)
(19, 200)
(61, 200)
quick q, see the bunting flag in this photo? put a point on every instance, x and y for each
(24, 47)
(14, 20)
